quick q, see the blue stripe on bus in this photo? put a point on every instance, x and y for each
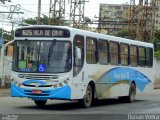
(28, 82)
(118, 74)
(57, 93)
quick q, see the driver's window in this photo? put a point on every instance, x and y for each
(78, 54)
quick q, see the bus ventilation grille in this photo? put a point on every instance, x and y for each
(38, 76)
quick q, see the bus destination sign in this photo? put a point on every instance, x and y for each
(42, 32)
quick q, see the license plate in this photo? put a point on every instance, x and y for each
(36, 91)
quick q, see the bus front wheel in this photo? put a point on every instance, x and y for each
(87, 100)
(40, 103)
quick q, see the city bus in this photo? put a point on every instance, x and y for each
(64, 63)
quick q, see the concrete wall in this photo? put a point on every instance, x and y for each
(1, 63)
(156, 83)
(5, 68)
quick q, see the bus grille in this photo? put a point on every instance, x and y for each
(38, 76)
(38, 86)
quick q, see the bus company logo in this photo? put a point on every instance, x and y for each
(35, 84)
(9, 117)
(121, 76)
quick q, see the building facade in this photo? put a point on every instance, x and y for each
(113, 17)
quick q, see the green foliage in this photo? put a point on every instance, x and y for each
(7, 37)
(33, 21)
(6, 34)
(123, 33)
(44, 20)
(157, 54)
(156, 40)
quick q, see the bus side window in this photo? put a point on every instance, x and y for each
(91, 51)
(78, 54)
(133, 56)
(141, 57)
(124, 54)
(114, 54)
(149, 57)
(103, 52)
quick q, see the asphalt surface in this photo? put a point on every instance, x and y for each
(146, 107)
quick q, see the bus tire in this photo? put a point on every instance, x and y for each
(40, 103)
(87, 100)
(132, 92)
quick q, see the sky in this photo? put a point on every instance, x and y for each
(30, 8)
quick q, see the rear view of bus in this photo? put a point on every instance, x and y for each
(42, 64)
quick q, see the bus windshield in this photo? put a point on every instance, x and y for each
(42, 56)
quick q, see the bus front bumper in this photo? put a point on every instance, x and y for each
(55, 93)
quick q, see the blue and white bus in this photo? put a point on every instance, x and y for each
(57, 62)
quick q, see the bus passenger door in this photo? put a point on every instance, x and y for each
(78, 55)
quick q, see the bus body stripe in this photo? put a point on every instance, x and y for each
(119, 75)
(57, 93)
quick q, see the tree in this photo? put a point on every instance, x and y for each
(33, 21)
(6, 34)
(123, 33)
(44, 20)
(156, 42)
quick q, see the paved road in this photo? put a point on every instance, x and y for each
(145, 104)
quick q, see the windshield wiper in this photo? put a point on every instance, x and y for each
(51, 48)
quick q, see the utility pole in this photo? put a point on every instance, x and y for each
(57, 12)
(133, 13)
(142, 20)
(39, 11)
(77, 13)
(153, 4)
(12, 31)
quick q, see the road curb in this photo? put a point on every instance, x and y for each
(4, 92)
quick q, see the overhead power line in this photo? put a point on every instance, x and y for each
(3, 1)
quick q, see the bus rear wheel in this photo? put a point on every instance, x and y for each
(40, 103)
(87, 100)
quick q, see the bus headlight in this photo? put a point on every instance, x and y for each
(60, 84)
(15, 82)
(12, 79)
(65, 81)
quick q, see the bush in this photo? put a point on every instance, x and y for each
(157, 54)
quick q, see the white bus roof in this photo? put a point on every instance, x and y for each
(75, 31)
